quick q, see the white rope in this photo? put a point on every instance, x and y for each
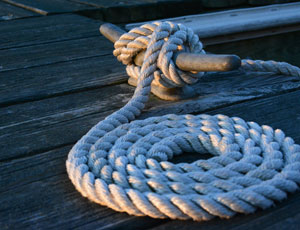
(124, 164)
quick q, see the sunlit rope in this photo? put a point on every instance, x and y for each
(123, 163)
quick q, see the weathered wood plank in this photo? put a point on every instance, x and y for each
(45, 120)
(62, 51)
(8, 12)
(42, 30)
(280, 47)
(38, 194)
(225, 3)
(36, 136)
(127, 11)
(111, 3)
(238, 20)
(204, 3)
(286, 211)
(48, 7)
(114, 11)
(28, 170)
(267, 2)
(78, 112)
(53, 202)
(133, 10)
(94, 72)
(275, 112)
(60, 78)
(251, 34)
(292, 222)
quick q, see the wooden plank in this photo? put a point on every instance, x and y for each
(131, 11)
(71, 114)
(204, 3)
(267, 2)
(87, 73)
(251, 34)
(238, 20)
(114, 11)
(74, 114)
(292, 222)
(56, 52)
(272, 218)
(48, 7)
(61, 78)
(280, 47)
(118, 11)
(64, 78)
(53, 202)
(222, 3)
(42, 30)
(283, 113)
(111, 3)
(37, 192)
(36, 136)
(8, 12)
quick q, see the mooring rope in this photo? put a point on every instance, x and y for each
(123, 163)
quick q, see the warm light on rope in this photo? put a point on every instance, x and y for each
(123, 163)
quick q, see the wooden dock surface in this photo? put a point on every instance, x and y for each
(58, 78)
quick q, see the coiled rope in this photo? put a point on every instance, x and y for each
(123, 164)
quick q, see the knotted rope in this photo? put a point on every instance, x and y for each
(166, 74)
(123, 164)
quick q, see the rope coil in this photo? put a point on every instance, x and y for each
(123, 163)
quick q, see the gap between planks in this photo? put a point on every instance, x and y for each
(10, 12)
(45, 120)
(44, 30)
(238, 20)
(40, 192)
(89, 73)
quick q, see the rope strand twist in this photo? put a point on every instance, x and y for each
(123, 163)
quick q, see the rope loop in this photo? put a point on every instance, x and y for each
(174, 38)
(124, 163)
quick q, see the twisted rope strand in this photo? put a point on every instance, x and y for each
(123, 163)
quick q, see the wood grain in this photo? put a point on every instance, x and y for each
(62, 51)
(86, 73)
(279, 47)
(60, 78)
(67, 81)
(131, 11)
(53, 202)
(47, 7)
(111, 3)
(8, 12)
(75, 61)
(237, 20)
(278, 113)
(43, 30)
(78, 113)
(38, 193)
(45, 120)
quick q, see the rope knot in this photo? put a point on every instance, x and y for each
(169, 38)
(123, 163)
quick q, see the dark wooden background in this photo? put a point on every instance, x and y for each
(58, 78)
